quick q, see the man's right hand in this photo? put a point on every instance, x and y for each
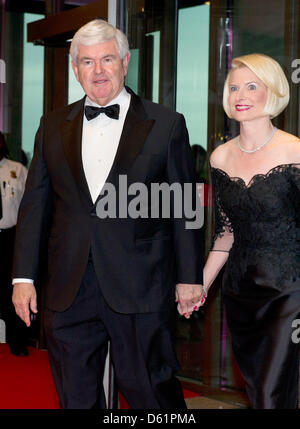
(24, 300)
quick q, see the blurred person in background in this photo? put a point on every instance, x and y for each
(12, 183)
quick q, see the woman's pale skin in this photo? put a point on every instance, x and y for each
(247, 98)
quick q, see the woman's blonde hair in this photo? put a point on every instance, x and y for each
(271, 74)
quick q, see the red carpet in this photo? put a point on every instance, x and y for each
(26, 382)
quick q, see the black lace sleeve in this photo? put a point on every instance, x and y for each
(222, 228)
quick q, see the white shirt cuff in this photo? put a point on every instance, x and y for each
(22, 281)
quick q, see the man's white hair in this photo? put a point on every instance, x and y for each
(98, 31)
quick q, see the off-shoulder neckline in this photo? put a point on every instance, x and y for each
(252, 180)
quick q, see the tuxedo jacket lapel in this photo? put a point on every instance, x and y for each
(71, 132)
(135, 131)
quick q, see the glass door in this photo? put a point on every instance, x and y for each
(192, 101)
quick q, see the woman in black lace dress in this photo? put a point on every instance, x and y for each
(256, 182)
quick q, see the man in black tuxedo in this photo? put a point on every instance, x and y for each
(114, 278)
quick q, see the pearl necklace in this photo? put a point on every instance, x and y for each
(259, 147)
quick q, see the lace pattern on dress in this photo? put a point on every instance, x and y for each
(221, 220)
(264, 216)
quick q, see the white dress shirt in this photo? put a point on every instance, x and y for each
(100, 141)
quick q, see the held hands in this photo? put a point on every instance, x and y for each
(24, 300)
(189, 298)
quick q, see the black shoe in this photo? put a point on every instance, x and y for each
(18, 350)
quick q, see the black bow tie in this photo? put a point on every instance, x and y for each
(92, 112)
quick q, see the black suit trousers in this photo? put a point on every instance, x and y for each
(141, 346)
